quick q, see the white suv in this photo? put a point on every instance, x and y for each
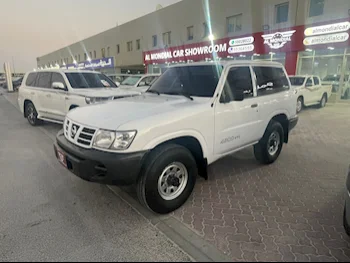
(139, 83)
(191, 116)
(49, 94)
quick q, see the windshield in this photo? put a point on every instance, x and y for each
(80, 80)
(335, 78)
(198, 81)
(131, 81)
(297, 81)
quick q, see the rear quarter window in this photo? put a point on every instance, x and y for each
(31, 79)
(270, 80)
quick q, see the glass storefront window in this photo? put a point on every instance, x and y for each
(328, 64)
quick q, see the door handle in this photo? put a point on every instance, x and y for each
(66, 98)
(32, 93)
(48, 95)
(254, 105)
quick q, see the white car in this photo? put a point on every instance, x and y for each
(310, 91)
(49, 94)
(191, 116)
(334, 81)
(139, 83)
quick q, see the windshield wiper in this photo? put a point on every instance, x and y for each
(188, 96)
(153, 91)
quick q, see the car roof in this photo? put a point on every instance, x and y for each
(66, 71)
(232, 63)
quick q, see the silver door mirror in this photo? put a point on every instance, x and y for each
(117, 83)
(142, 84)
(58, 85)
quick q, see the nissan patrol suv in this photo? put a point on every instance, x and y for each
(49, 94)
(191, 116)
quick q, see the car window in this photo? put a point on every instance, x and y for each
(131, 81)
(43, 80)
(30, 81)
(316, 81)
(57, 77)
(309, 82)
(198, 81)
(270, 80)
(79, 80)
(238, 77)
(297, 81)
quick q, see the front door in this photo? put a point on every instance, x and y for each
(311, 92)
(236, 122)
(58, 98)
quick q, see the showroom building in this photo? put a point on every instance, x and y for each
(307, 36)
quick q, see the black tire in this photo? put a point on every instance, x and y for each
(261, 149)
(345, 223)
(31, 114)
(323, 101)
(300, 104)
(155, 164)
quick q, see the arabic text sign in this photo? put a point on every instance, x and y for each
(94, 64)
(327, 29)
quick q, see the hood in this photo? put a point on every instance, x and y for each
(104, 92)
(113, 114)
(135, 89)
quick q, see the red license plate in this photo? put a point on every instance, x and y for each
(62, 158)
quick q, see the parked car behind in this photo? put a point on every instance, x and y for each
(346, 216)
(49, 94)
(192, 116)
(118, 78)
(16, 82)
(139, 82)
(310, 91)
(334, 81)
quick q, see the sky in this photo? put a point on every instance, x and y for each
(31, 28)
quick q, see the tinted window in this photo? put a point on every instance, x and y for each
(31, 79)
(43, 80)
(80, 80)
(238, 77)
(316, 81)
(198, 81)
(297, 81)
(270, 80)
(57, 77)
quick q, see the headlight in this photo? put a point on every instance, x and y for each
(93, 100)
(104, 139)
(123, 140)
(119, 140)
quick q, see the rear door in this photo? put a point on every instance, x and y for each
(274, 95)
(44, 93)
(236, 122)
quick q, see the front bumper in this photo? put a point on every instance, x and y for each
(293, 122)
(98, 166)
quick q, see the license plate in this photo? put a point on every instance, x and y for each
(62, 158)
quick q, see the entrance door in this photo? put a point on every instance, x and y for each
(236, 122)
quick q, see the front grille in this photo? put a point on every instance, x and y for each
(79, 134)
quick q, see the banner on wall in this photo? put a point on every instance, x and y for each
(93, 64)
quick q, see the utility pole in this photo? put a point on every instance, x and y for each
(13, 65)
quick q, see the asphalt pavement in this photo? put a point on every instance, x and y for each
(48, 214)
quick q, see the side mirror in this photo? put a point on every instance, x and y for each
(117, 83)
(238, 94)
(58, 85)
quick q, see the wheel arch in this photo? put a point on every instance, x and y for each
(25, 103)
(283, 119)
(193, 144)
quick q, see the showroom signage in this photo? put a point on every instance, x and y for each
(93, 64)
(241, 45)
(188, 52)
(278, 39)
(327, 29)
(326, 34)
